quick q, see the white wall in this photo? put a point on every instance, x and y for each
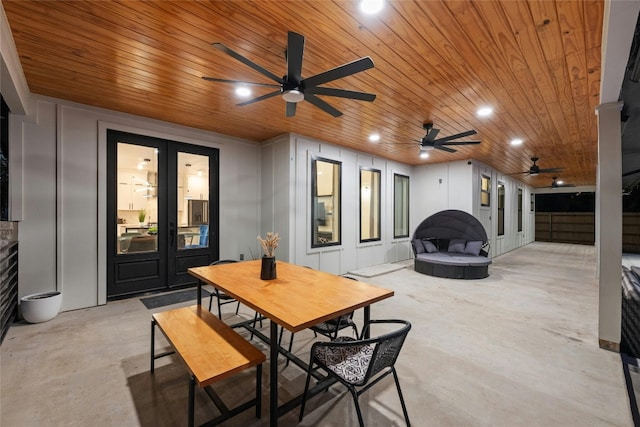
(456, 185)
(63, 194)
(286, 203)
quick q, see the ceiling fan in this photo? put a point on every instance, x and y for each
(429, 141)
(557, 184)
(535, 169)
(293, 87)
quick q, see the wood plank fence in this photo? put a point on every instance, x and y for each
(579, 228)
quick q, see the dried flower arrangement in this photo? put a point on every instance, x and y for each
(269, 244)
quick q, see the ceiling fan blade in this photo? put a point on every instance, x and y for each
(295, 50)
(213, 79)
(443, 148)
(322, 105)
(456, 136)
(342, 93)
(260, 98)
(458, 143)
(339, 72)
(247, 62)
(430, 137)
(550, 170)
(291, 109)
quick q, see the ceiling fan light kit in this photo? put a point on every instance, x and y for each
(293, 95)
(293, 87)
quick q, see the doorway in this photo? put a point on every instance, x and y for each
(162, 212)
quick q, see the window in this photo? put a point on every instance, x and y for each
(500, 209)
(369, 205)
(485, 190)
(400, 206)
(520, 219)
(325, 202)
(533, 203)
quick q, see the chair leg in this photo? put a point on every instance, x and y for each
(404, 407)
(238, 307)
(355, 401)
(210, 301)
(255, 319)
(219, 309)
(306, 388)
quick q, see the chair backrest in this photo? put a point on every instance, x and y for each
(142, 244)
(204, 235)
(386, 347)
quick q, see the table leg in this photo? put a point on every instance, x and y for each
(367, 318)
(273, 375)
(199, 292)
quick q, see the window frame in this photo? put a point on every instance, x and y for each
(336, 198)
(520, 209)
(375, 186)
(501, 202)
(400, 210)
(485, 193)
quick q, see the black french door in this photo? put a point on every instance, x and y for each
(162, 212)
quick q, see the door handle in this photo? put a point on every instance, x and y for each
(172, 233)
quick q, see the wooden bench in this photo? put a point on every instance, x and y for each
(211, 351)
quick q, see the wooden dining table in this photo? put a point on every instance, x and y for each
(298, 298)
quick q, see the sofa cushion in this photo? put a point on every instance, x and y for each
(456, 246)
(473, 247)
(418, 246)
(429, 247)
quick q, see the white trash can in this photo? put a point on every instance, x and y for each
(37, 308)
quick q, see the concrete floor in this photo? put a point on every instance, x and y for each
(519, 348)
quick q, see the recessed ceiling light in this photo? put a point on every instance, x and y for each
(371, 7)
(243, 92)
(424, 154)
(516, 141)
(374, 137)
(484, 111)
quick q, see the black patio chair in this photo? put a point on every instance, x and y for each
(360, 364)
(220, 295)
(329, 328)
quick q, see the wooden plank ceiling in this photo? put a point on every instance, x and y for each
(537, 63)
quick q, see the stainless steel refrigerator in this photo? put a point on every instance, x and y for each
(198, 211)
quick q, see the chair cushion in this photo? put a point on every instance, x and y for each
(349, 363)
(473, 247)
(456, 246)
(429, 247)
(419, 247)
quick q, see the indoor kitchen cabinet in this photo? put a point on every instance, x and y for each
(133, 189)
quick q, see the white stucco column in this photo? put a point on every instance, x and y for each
(609, 224)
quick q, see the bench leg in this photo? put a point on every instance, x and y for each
(153, 333)
(259, 390)
(192, 391)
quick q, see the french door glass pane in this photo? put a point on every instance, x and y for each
(137, 202)
(193, 201)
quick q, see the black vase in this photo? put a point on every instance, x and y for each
(268, 271)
